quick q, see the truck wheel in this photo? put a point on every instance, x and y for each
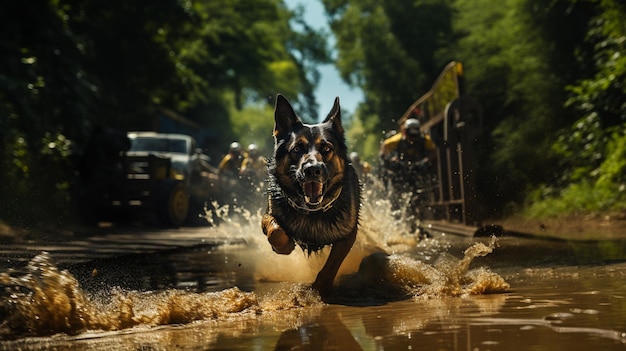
(172, 203)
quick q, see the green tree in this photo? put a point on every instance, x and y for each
(390, 51)
(70, 65)
(519, 56)
(592, 150)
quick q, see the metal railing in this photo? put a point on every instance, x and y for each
(454, 123)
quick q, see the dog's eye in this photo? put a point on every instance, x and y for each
(327, 148)
(296, 149)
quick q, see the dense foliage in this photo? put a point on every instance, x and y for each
(592, 152)
(549, 75)
(70, 65)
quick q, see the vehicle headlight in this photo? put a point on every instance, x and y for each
(178, 171)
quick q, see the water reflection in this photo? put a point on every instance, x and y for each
(327, 333)
(47, 300)
(200, 268)
(535, 315)
(395, 292)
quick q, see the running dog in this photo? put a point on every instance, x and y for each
(314, 192)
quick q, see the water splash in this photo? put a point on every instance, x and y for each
(47, 301)
(385, 277)
(382, 267)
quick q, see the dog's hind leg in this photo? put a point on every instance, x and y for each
(324, 281)
(280, 241)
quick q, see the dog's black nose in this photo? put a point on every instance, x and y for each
(313, 171)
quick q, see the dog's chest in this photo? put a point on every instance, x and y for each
(315, 230)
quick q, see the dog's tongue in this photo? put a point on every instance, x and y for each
(313, 192)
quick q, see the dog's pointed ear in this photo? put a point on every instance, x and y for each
(334, 116)
(284, 116)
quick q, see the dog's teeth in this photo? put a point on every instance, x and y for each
(313, 192)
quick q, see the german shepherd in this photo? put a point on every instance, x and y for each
(314, 193)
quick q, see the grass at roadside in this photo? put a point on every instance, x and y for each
(570, 227)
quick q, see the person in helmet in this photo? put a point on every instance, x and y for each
(253, 165)
(405, 157)
(231, 162)
(253, 174)
(411, 147)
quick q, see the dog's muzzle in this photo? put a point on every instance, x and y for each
(315, 175)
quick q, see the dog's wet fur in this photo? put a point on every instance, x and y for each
(314, 192)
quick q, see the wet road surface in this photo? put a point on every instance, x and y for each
(221, 288)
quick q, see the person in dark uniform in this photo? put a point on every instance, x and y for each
(405, 159)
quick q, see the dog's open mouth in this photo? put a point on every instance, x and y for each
(313, 192)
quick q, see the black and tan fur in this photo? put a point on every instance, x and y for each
(314, 193)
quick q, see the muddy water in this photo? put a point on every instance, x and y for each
(229, 291)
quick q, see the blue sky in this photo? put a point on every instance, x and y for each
(331, 84)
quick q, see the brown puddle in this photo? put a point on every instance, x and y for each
(394, 293)
(48, 300)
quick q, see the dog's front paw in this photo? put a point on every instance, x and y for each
(280, 241)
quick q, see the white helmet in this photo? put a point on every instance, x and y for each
(235, 147)
(412, 127)
(354, 157)
(253, 149)
(412, 123)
